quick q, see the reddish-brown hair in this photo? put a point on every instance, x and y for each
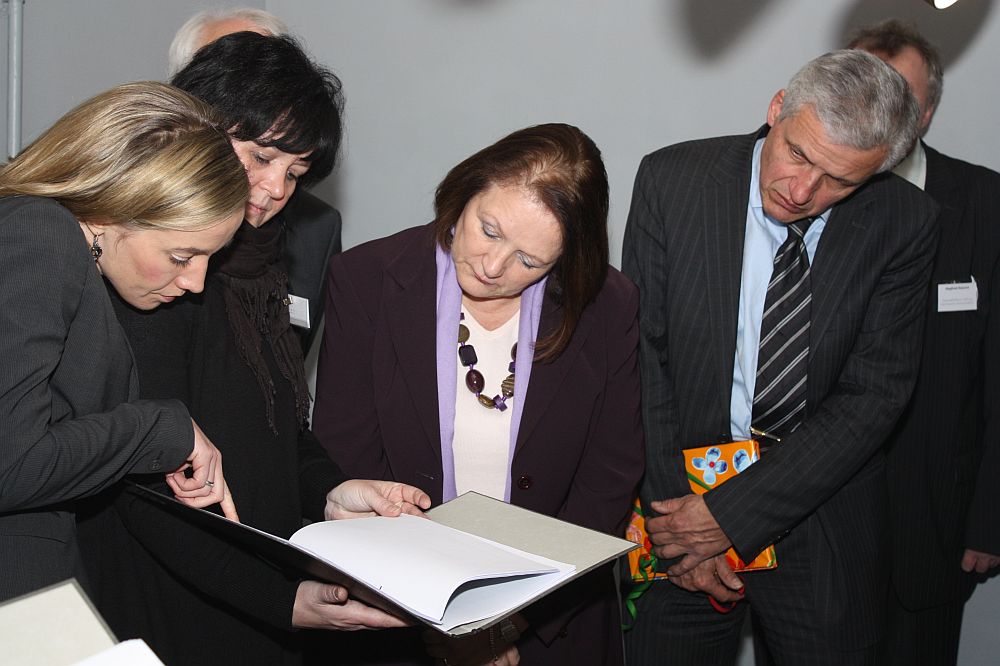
(562, 168)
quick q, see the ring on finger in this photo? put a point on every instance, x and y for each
(209, 483)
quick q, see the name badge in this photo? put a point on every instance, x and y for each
(298, 311)
(958, 296)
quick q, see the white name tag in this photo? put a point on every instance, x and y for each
(958, 296)
(298, 311)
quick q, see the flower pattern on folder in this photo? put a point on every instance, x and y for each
(711, 465)
(705, 467)
(742, 460)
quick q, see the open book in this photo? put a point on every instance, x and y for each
(477, 561)
(437, 573)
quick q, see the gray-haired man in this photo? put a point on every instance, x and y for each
(781, 281)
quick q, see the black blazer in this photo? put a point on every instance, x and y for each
(684, 248)
(579, 454)
(312, 236)
(944, 452)
(66, 381)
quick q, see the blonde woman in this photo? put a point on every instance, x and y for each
(139, 186)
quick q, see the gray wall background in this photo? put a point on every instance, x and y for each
(430, 81)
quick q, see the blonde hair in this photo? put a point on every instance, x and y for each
(145, 154)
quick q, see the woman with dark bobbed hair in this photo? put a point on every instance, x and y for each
(234, 359)
(137, 186)
(494, 350)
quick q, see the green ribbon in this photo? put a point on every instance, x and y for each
(647, 565)
(695, 480)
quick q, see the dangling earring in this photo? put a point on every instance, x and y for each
(95, 248)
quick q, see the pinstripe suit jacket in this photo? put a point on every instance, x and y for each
(944, 452)
(683, 247)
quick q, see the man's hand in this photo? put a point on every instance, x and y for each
(714, 577)
(978, 561)
(686, 527)
(360, 498)
(321, 606)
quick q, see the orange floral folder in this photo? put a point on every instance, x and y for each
(706, 467)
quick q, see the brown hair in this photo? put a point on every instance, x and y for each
(892, 36)
(146, 155)
(562, 168)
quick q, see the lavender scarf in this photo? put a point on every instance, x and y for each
(449, 306)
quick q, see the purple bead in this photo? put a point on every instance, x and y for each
(500, 403)
(510, 368)
(467, 354)
(474, 381)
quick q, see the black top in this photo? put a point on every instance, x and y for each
(192, 596)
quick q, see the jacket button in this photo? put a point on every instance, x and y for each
(564, 632)
(524, 482)
(155, 466)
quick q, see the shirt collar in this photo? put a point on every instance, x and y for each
(914, 166)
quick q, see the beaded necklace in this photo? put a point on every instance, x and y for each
(474, 379)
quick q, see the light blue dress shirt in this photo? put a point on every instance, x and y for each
(763, 238)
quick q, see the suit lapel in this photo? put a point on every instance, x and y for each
(957, 239)
(838, 258)
(724, 202)
(410, 299)
(941, 182)
(550, 379)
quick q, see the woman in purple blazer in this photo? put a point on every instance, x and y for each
(494, 350)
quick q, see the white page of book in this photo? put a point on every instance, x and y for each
(476, 602)
(420, 564)
(133, 652)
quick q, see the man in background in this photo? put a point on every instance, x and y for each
(207, 26)
(943, 498)
(312, 227)
(781, 283)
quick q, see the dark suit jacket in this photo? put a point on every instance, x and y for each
(944, 452)
(684, 248)
(66, 380)
(312, 236)
(579, 451)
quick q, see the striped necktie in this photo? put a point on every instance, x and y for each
(779, 399)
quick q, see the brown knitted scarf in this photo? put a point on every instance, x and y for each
(257, 307)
